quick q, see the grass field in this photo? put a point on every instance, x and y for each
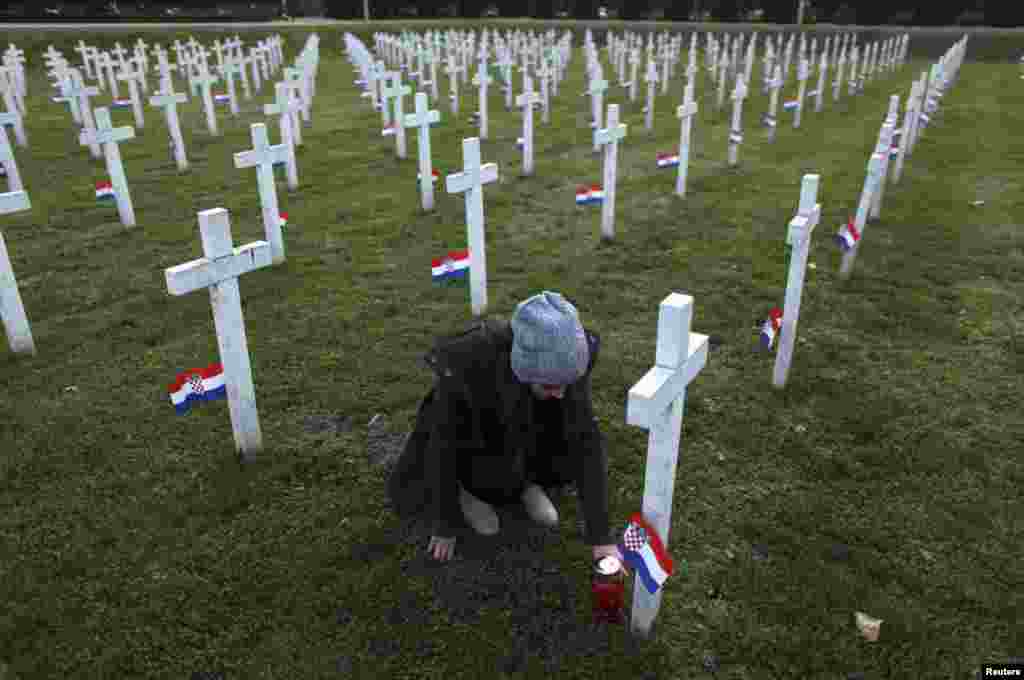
(134, 545)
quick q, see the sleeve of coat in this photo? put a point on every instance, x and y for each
(592, 477)
(450, 422)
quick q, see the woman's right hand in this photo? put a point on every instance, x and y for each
(442, 549)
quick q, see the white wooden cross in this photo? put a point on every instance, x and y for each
(820, 91)
(801, 228)
(470, 182)
(915, 93)
(422, 119)
(291, 87)
(230, 70)
(85, 52)
(169, 100)
(218, 271)
(860, 222)
(395, 90)
(634, 65)
(12, 312)
(723, 66)
(453, 82)
(685, 113)
(775, 84)
(526, 101)
(285, 109)
(131, 76)
(109, 137)
(15, 119)
(545, 73)
(82, 93)
(652, 83)
(108, 63)
(482, 80)
(609, 137)
(656, 403)
(432, 60)
(837, 82)
(852, 78)
(803, 72)
(296, 77)
(7, 160)
(263, 156)
(598, 85)
(736, 131)
(885, 149)
(204, 81)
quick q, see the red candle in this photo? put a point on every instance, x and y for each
(608, 587)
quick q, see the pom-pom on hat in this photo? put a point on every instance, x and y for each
(549, 346)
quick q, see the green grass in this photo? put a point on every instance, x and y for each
(134, 545)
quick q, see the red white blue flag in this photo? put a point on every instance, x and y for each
(668, 160)
(283, 219)
(104, 191)
(121, 104)
(452, 268)
(847, 237)
(771, 328)
(520, 143)
(221, 99)
(389, 130)
(197, 384)
(791, 104)
(643, 550)
(592, 194)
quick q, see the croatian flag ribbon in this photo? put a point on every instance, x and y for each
(790, 105)
(668, 160)
(770, 328)
(197, 384)
(121, 104)
(847, 237)
(452, 268)
(104, 191)
(389, 130)
(736, 137)
(283, 219)
(221, 99)
(592, 194)
(894, 151)
(643, 550)
(434, 176)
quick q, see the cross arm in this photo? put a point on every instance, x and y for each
(649, 398)
(462, 181)
(203, 273)
(254, 157)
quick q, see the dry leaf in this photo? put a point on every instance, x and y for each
(868, 626)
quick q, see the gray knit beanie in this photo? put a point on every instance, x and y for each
(549, 346)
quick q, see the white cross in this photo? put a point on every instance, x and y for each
(204, 81)
(129, 75)
(453, 81)
(820, 91)
(108, 63)
(656, 403)
(908, 116)
(82, 93)
(860, 222)
(422, 119)
(294, 109)
(803, 72)
(218, 271)
(7, 160)
(470, 182)
(526, 101)
(12, 311)
(263, 156)
(15, 119)
(685, 113)
(285, 109)
(482, 80)
(736, 131)
(609, 137)
(885, 149)
(85, 53)
(230, 70)
(652, 82)
(169, 100)
(801, 228)
(395, 90)
(837, 82)
(109, 137)
(598, 85)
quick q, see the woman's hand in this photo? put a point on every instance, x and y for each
(441, 548)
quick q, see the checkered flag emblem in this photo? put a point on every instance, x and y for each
(195, 384)
(635, 538)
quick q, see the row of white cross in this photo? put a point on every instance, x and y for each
(656, 402)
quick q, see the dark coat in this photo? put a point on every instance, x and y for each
(481, 427)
